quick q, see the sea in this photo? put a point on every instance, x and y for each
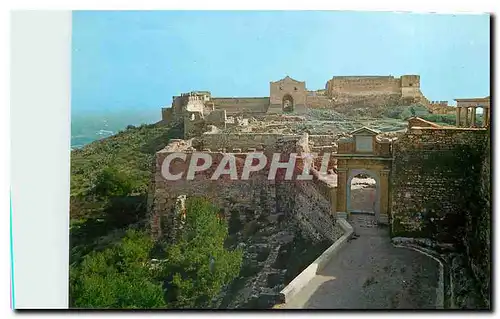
(91, 125)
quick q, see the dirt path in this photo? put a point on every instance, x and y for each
(370, 273)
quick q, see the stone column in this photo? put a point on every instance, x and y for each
(486, 116)
(383, 215)
(459, 109)
(341, 193)
(466, 116)
(473, 117)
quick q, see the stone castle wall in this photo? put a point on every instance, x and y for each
(354, 85)
(441, 190)
(432, 172)
(477, 239)
(243, 141)
(246, 141)
(241, 105)
(340, 91)
(407, 86)
(308, 202)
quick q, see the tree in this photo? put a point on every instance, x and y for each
(194, 271)
(117, 278)
(197, 266)
(111, 182)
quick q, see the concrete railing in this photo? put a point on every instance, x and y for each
(310, 272)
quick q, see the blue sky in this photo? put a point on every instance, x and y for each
(140, 59)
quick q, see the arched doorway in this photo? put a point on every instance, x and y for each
(364, 153)
(363, 192)
(287, 103)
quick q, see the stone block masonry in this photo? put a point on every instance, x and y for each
(306, 201)
(243, 141)
(441, 190)
(433, 176)
(242, 105)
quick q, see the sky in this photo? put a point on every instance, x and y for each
(141, 59)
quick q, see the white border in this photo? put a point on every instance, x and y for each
(51, 151)
(40, 117)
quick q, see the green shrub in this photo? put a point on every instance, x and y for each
(117, 278)
(198, 266)
(193, 271)
(111, 182)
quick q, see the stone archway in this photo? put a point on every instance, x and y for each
(347, 170)
(353, 173)
(363, 152)
(287, 104)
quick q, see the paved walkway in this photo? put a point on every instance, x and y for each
(370, 273)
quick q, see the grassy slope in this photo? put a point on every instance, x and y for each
(95, 221)
(131, 151)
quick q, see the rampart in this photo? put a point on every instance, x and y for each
(241, 105)
(257, 141)
(441, 190)
(431, 180)
(291, 96)
(308, 202)
(363, 85)
(407, 86)
(242, 141)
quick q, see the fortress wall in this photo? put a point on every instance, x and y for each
(243, 141)
(167, 115)
(313, 208)
(309, 202)
(364, 85)
(410, 81)
(177, 103)
(411, 92)
(477, 238)
(435, 177)
(441, 189)
(222, 192)
(241, 105)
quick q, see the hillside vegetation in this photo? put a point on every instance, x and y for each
(112, 254)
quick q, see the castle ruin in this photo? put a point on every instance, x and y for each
(423, 176)
(291, 96)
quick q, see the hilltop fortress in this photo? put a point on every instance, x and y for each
(432, 182)
(291, 96)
